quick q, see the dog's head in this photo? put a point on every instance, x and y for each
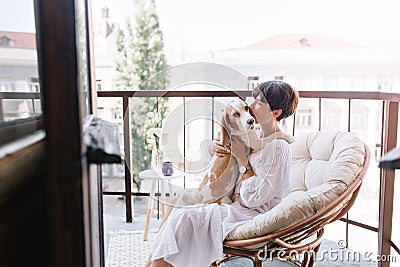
(236, 120)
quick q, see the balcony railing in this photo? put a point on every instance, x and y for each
(17, 126)
(388, 124)
(34, 109)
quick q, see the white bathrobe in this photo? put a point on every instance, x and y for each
(193, 234)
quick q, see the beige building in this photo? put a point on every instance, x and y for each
(18, 73)
(317, 62)
(321, 63)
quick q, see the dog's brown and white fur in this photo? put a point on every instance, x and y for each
(221, 178)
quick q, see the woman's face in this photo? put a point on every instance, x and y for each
(261, 111)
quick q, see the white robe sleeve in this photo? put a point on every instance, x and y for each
(269, 176)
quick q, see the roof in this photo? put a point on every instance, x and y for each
(288, 41)
(19, 39)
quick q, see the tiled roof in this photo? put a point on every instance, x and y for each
(20, 39)
(287, 41)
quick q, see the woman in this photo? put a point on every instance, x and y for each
(193, 235)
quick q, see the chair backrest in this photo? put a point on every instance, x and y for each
(325, 157)
(331, 212)
(330, 166)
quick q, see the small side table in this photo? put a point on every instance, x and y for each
(155, 176)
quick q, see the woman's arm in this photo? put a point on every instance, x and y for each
(261, 185)
(248, 174)
(269, 178)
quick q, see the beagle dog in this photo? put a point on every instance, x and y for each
(221, 178)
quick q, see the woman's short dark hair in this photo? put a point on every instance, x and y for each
(279, 95)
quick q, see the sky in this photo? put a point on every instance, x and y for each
(17, 15)
(222, 24)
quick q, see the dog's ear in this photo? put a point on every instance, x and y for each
(225, 137)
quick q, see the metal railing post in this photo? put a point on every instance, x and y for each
(319, 114)
(386, 191)
(1, 108)
(127, 153)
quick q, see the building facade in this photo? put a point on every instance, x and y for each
(18, 73)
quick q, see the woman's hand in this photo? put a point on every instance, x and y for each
(239, 151)
(219, 149)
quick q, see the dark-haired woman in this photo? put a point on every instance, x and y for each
(192, 235)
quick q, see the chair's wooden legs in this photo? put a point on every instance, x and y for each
(305, 260)
(314, 256)
(311, 261)
(309, 257)
(257, 262)
(316, 249)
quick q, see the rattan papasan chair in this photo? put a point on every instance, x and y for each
(328, 168)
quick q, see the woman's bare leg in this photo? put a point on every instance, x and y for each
(148, 263)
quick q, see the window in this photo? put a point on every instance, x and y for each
(331, 121)
(303, 118)
(34, 85)
(359, 118)
(20, 104)
(7, 84)
(98, 85)
(5, 41)
(331, 117)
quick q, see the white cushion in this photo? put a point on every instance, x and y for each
(323, 164)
